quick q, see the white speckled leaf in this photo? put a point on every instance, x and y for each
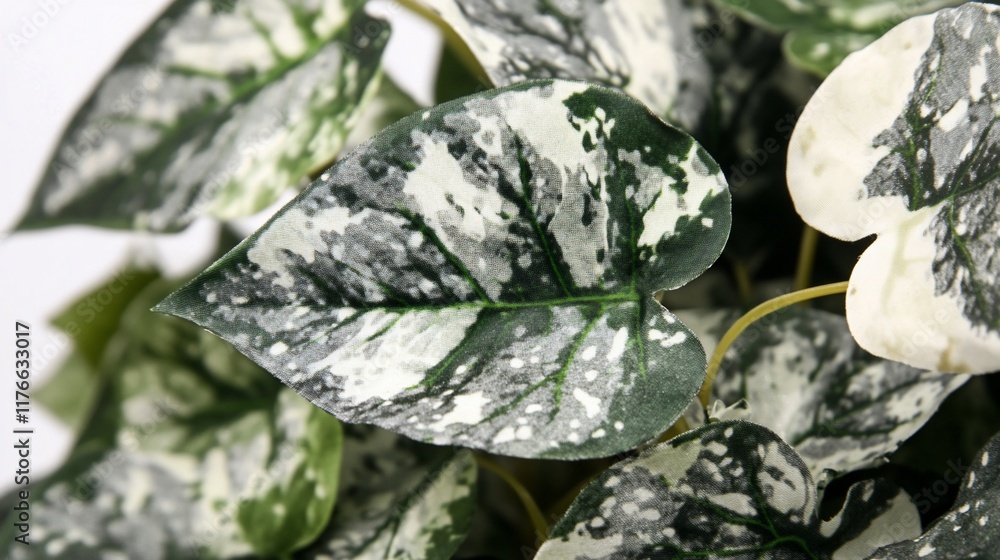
(482, 274)
(648, 48)
(192, 449)
(971, 529)
(95, 508)
(821, 34)
(839, 407)
(916, 164)
(398, 499)
(729, 489)
(216, 109)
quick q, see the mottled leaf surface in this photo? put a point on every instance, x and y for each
(841, 408)
(971, 529)
(821, 34)
(398, 499)
(215, 109)
(482, 274)
(729, 489)
(648, 48)
(192, 450)
(916, 164)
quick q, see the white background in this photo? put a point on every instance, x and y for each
(52, 54)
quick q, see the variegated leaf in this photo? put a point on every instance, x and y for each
(729, 489)
(648, 48)
(971, 529)
(821, 34)
(915, 163)
(398, 499)
(215, 109)
(97, 507)
(194, 450)
(268, 460)
(838, 406)
(482, 274)
(268, 495)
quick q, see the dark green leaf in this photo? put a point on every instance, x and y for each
(93, 319)
(70, 393)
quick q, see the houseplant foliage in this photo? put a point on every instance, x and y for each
(965, 531)
(505, 326)
(839, 407)
(917, 167)
(215, 109)
(575, 187)
(690, 497)
(819, 35)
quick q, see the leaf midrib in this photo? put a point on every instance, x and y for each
(630, 296)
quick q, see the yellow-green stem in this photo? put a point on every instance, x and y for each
(677, 429)
(807, 256)
(754, 314)
(743, 283)
(534, 512)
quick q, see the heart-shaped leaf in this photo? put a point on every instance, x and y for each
(728, 489)
(821, 34)
(838, 406)
(398, 499)
(215, 109)
(916, 164)
(648, 48)
(482, 274)
(971, 529)
(193, 449)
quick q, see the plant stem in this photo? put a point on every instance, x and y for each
(534, 512)
(743, 283)
(677, 429)
(560, 507)
(754, 314)
(807, 256)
